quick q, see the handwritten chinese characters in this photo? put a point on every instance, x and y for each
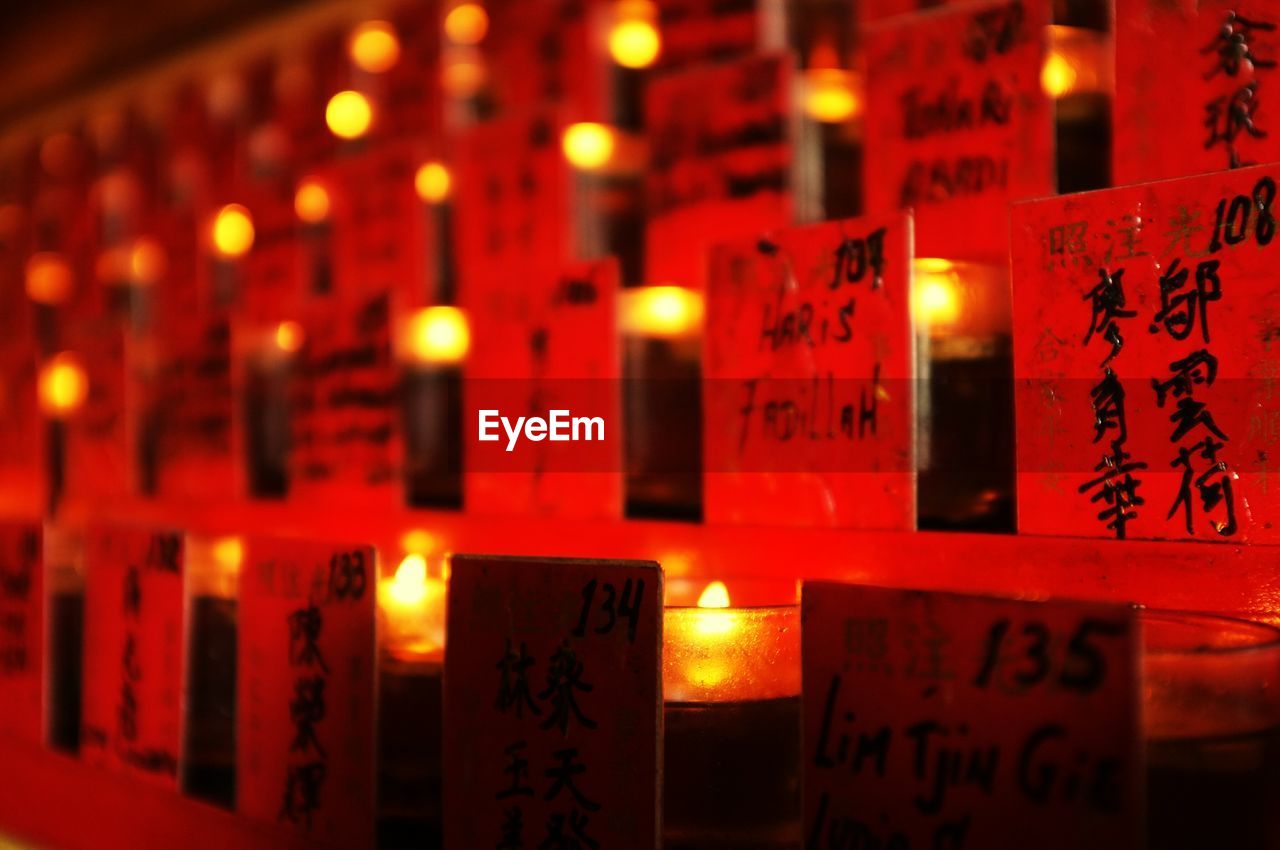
(1144, 410)
(553, 700)
(134, 652)
(935, 720)
(306, 688)
(1204, 101)
(807, 393)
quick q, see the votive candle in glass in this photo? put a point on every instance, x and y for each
(731, 682)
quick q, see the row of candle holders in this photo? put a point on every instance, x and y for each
(733, 705)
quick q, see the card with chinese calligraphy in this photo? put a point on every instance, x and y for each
(134, 652)
(1203, 100)
(719, 173)
(545, 347)
(808, 395)
(1146, 324)
(305, 689)
(553, 703)
(957, 124)
(21, 630)
(942, 720)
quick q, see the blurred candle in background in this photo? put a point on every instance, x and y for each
(964, 443)
(634, 43)
(313, 206)
(62, 387)
(1077, 74)
(271, 360)
(231, 235)
(662, 401)
(411, 610)
(209, 745)
(433, 348)
(731, 683)
(832, 100)
(433, 184)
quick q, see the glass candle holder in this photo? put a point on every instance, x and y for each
(965, 428)
(64, 570)
(731, 682)
(1077, 74)
(662, 401)
(269, 370)
(434, 346)
(411, 610)
(1211, 723)
(209, 744)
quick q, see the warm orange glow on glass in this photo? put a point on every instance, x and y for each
(466, 23)
(290, 336)
(634, 40)
(661, 311)
(432, 182)
(63, 385)
(374, 47)
(418, 541)
(311, 202)
(233, 231)
(936, 292)
(830, 95)
(462, 72)
(1077, 62)
(348, 115)
(147, 261)
(588, 145)
(439, 335)
(49, 279)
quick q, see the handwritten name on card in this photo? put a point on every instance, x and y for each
(807, 390)
(938, 720)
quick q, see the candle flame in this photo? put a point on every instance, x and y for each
(63, 385)
(661, 311)
(409, 586)
(588, 145)
(714, 595)
(439, 335)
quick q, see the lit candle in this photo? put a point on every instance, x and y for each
(1077, 75)
(965, 404)
(731, 682)
(62, 387)
(209, 745)
(433, 346)
(662, 404)
(411, 608)
(433, 184)
(312, 205)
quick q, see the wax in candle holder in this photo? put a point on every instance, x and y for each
(411, 606)
(209, 744)
(64, 565)
(965, 444)
(1211, 717)
(731, 680)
